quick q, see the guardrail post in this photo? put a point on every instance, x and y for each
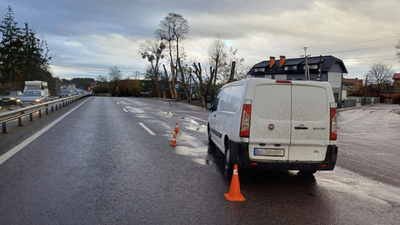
(56, 106)
(20, 122)
(47, 111)
(40, 113)
(52, 109)
(30, 117)
(4, 128)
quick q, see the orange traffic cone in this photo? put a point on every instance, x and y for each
(176, 128)
(173, 143)
(234, 194)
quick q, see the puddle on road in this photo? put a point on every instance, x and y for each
(342, 180)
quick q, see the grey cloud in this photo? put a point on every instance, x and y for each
(81, 32)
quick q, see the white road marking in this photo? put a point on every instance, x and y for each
(148, 129)
(205, 121)
(19, 147)
(125, 110)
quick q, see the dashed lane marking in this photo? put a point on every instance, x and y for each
(125, 110)
(147, 129)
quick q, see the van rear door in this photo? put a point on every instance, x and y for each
(310, 122)
(270, 126)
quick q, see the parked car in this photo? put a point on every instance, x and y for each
(36, 96)
(10, 96)
(66, 93)
(274, 124)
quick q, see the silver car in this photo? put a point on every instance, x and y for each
(36, 96)
(10, 96)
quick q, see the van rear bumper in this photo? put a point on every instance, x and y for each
(243, 160)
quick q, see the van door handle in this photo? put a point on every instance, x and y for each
(301, 128)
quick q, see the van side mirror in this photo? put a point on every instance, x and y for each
(209, 106)
(209, 103)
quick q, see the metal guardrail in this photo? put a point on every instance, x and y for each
(6, 117)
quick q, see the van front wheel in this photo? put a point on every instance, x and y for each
(210, 142)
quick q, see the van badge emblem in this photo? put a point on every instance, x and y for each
(271, 126)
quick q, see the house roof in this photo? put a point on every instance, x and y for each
(396, 76)
(328, 62)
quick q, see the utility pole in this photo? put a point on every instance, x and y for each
(320, 68)
(366, 89)
(190, 84)
(306, 70)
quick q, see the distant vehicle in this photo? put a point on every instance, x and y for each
(37, 85)
(10, 96)
(66, 93)
(275, 124)
(36, 96)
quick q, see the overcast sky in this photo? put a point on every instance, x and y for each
(90, 36)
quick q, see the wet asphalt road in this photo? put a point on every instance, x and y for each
(98, 165)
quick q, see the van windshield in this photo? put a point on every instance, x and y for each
(32, 93)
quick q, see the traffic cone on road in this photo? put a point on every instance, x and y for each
(173, 143)
(176, 128)
(234, 194)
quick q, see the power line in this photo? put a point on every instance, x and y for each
(355, 42)
(359, 49)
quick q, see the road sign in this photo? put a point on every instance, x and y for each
(176, 86)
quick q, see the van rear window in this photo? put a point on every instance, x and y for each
(309, 103)
(272, 102)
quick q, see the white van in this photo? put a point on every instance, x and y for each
(275, 124)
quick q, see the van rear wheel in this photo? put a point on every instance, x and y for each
(307, 172)
(228, 160)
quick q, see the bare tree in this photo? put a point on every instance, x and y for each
(171, 88)
(200, 82)
(183, 80)
(380, 74)
(173, 29)
(217, 54)
(398, 50)
(101, 78)
(115, 76)
(153, 52)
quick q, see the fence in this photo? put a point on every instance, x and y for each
(6, 117)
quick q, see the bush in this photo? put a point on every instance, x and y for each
(396, 98)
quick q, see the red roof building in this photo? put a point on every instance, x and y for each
(396, 78)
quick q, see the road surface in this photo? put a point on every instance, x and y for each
(108, 161)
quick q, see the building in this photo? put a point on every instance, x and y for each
(396, 79)
(353, 84)
(332, 70)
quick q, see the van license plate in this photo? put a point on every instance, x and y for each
(269, 152)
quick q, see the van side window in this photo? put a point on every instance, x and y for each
(223, 99)
(216, 100)
(235, 97)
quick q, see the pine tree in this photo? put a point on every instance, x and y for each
(10, 50)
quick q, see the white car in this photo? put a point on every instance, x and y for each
(66, 93)
(275, 124)
(36, 96)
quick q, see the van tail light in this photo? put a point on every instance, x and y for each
(333, 130)
(245, 123)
